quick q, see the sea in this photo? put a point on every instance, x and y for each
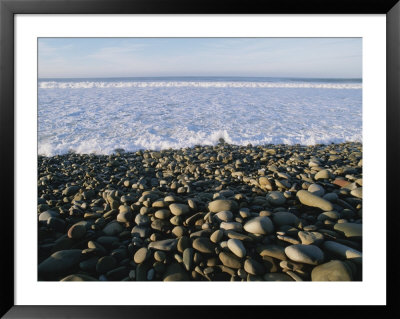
(100, 115)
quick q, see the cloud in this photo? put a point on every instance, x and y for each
(114, 52)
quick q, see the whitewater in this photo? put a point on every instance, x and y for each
(102, 115)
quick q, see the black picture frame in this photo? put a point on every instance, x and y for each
(8, 8)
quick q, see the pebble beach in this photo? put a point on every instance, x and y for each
(202, 213)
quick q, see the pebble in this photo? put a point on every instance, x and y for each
(125, 217)
(342, 251)
(316, 189)
(307, 254)
(230, 260)
(43, 217)
(272, 250)
(276, 198)
(220, 205)
(236, 247)
(175, 272)
(277, 277)
(179, 209)
(105, 264)
(162, 214)
(253, 267)
(140, 231)
(188, 255)
(113, 228)
(141, 255)
(76, 231)
(311, 238)
(323, 174)
(142, 220)
(259, 225)
(159, 255)
(203, 245)
(224, 216)
(284, 218)
(165, 245)
(350, 230)
(235, 226)
(217, 236)
(60, 262)
(334, 270)
(357, 192)
(312, 200)
(328, 216)
(205, 213)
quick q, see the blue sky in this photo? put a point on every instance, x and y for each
(269, 57)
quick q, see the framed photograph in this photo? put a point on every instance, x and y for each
(163, 154)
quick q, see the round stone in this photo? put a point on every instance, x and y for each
(188, 254)
(113, 228)
(237, 247)
(230, 260)
(175, 272)
(179, 231)
(285, 218)
(105, 264)
(179, 209)
(203, 245)
(342, 251)
(76, 231)
(142, 220)
(43, 217)
(220, 205)
(328, 216)
(307, 254)
(79, 277)
(124, 209)
(224, 216)
(183, 243)
(334, 270)
(125, 217)
(316, 189)
(57, 224)
(259, 225)
(350, 230)
(140, 231)
(310, 238)
(89, 264)
(332, 197)
(60, 262)
(141, 255)
(253, 267)
(264, 182)
(276, 198)
(162, 214)
(312, 200)
(217, 236)
(277, 277)
(235, 226)
(357, 192)
(323, 174)
(71, 190)
(165, 245)
(272, 250)
(159, 255)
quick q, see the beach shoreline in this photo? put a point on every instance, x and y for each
(204, 213)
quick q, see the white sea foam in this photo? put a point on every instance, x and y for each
(95, 120)
(201, 84)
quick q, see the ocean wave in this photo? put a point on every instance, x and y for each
(102, 120)
(195, 84)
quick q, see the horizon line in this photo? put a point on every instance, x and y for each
(199, 76)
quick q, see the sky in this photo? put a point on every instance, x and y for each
(152, 57)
